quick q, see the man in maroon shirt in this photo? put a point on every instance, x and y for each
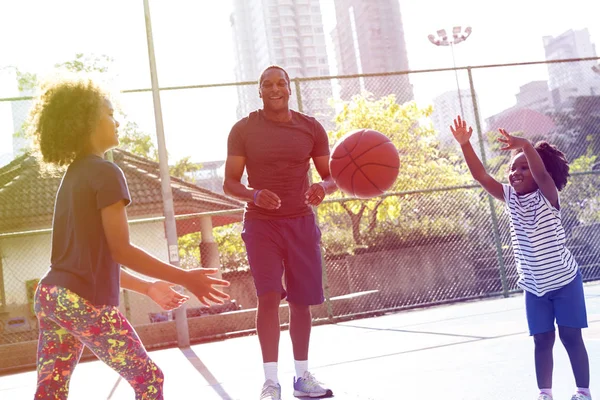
(275, 145)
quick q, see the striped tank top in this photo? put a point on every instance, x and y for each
(538, 239)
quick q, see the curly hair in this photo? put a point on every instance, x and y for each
(555, 161)
(64, 116)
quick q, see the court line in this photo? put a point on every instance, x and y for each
(409, 331)
(475, 339)
(193, 358)
(451, 318)
(590, 322)
(398, 353)
(112, 392)
(486, 313)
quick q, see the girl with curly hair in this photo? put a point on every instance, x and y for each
(76, 301)
(547, 270)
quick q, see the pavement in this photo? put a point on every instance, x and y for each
(466, 351)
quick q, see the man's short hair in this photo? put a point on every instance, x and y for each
(262, 74)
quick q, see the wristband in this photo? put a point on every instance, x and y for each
(255, 195)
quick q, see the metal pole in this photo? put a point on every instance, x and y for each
(477, 118)
(298, 96)
(183, 334)
(209, 249)
(462, 112)
(495, 229)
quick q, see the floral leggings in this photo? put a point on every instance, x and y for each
(67, 322)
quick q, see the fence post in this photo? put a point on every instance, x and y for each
(323, 262)
(298, 95)
(495, 229)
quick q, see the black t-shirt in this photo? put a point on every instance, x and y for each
(278, 158)
(81, 260)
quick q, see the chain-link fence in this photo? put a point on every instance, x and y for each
(433, 238)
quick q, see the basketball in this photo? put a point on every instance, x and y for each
(364, 163)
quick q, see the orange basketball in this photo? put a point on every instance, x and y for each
(364, 163)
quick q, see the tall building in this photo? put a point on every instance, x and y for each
(369, 38)
(535, 96)
(573, 79)
(288, 33)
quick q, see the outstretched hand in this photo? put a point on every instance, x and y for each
(460, 131)
(165, 296)
(201, 285)
(511, 142)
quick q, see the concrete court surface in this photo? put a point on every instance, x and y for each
(475, 350)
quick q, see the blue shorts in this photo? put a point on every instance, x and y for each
(565, 305)
(289, 248)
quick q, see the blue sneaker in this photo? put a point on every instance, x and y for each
(308, 386)
(271, 391)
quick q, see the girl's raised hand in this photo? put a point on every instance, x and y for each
(511, 142)
(461, 132)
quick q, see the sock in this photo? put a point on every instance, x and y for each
(271, 371)
(301, 367)
(585, 391)
(546, 391)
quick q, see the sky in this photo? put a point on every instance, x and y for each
(193, 45)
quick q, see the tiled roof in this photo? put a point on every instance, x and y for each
(28, 190)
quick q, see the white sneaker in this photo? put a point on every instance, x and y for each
(580, 396)
(308, 386)
(544, 396)
(271, 391)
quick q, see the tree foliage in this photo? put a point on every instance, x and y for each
(351, 223)
(131, 137)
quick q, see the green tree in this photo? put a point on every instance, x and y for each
(582, 194)
(29, 81)
(422, 166)
(131, 137)
(231, 248)
(87, 63)
(135, 141)
(189, 250)
(26, 81)
(185, 169)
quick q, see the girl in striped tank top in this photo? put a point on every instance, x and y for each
(547, 271)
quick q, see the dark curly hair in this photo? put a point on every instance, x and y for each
(555, 161)
(64, 116)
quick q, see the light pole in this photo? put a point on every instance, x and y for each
(181, 323)
(458, 35)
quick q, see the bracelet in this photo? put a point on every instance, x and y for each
(322, 184)
(256, 195)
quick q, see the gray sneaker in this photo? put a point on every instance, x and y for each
(580, 396)
(271, 391)
(544, 396)
(308, 386)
